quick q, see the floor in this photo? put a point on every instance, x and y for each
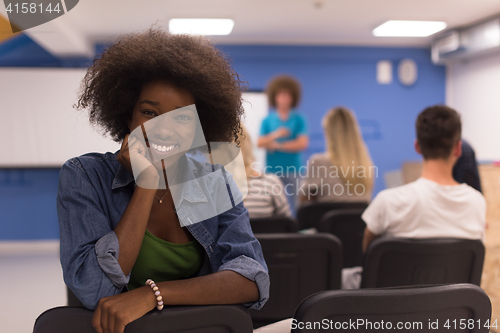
(30, 283)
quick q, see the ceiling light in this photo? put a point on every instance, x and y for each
(201, 26)
(395, 28)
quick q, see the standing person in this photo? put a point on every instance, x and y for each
(345, 171)
(284, 133)
(119, 228)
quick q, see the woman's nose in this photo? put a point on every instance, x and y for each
(164, 128)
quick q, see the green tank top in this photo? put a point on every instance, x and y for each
(160, 260)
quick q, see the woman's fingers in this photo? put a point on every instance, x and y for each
(104, 319)
(132, 140)
(96, 320)
(119, 325)
(137, 146)
(125, 142)
(111, 320)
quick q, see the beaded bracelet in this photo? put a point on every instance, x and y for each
(153, 286)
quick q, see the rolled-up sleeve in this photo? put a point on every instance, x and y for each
(107, 250)
(253, 271)
(238, 250)
(89, 246)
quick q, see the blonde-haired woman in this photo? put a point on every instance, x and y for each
(266, 196)
(344, 172)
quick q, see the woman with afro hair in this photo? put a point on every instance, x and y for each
(121, 224)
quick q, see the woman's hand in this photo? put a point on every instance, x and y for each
(115, 312)
(132, 156)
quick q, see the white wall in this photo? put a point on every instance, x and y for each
(256, 109)
(473, 89)
(40, 128)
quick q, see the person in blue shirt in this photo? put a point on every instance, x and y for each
(119, 226)
(284, 133)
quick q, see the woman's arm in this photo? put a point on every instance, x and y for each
(225, 287)
(132, 226)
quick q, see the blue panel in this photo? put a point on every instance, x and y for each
(28, 204)
(22, 51)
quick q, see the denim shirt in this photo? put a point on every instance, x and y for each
(94, 190)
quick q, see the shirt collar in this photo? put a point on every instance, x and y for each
(190, 189)
(122, 177)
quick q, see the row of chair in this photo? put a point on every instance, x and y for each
(308, 216)
(301, 265)
(463, 307)
(345, 224)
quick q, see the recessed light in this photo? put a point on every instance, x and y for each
(394, 28)
(200, 26)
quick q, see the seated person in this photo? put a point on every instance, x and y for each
(125, 217)
(344, 172)
(435, 205)
(465, 170)
(266, 196)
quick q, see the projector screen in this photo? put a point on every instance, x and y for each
(40, 127)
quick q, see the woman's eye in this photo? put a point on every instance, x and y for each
(182, 117)
(149, 112)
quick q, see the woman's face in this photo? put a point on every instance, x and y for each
(168, 132)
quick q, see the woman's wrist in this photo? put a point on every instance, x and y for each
(149, 297)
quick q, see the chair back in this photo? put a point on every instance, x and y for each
(274, 224)
(299, 266)
(348, 226)
(72, 299)
(391, 262)
(192, 319)
(311, 213)
(417, 309)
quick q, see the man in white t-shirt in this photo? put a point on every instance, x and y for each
(435, 205)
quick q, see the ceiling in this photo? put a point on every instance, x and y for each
(305, 22)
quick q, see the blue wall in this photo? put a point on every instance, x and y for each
(346, 76)
(330, 76)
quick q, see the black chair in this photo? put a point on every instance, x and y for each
(275, 224)
(72, 299)
(299, 266)
(391, 262)
(192, 319)
(348, 226)
(311, 213)
(417, 309)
